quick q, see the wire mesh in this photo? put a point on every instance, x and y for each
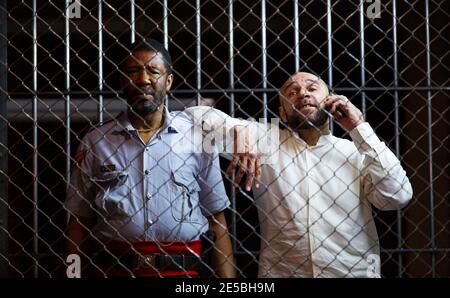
(59, 79)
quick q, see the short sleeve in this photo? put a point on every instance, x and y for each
(213, 198)
(79, 193)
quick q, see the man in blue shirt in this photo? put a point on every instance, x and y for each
(141, 189)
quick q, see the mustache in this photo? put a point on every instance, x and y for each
(298, 105)
(142, 90)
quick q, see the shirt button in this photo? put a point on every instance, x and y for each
(146, 148)
(149, 197)
(147, 172)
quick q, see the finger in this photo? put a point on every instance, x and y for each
(333, 107)
(250, 173)
(257, 172)
(330, 101)
(331, 98)
(232, 165)
(242, 170)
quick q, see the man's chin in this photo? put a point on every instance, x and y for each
(301, 123)
(145, 107)
(141, 99)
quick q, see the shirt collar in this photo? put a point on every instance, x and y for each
(169, 125)
(324, 139)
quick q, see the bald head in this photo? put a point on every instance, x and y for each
(305, 80)
(301, 97)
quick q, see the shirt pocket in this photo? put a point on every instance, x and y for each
(184, 201)
(113, 191)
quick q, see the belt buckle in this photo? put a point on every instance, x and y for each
(145, 262)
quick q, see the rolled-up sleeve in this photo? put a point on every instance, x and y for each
(263, 138)
(213, 118)
(385, 183)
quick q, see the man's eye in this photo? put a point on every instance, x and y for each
(133, 70)
(152, 71)
(293, 93)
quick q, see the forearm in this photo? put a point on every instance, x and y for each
(211, 118)
(385, 181)
(222, 255)
(78, 230)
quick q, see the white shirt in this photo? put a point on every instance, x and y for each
(314, 202)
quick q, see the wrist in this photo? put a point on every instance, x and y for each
(355, 125)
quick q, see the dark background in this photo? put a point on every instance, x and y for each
(415, 242)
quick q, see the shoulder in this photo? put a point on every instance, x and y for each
(100, 129)
(181, 120)
(345, 146)
(181, 116)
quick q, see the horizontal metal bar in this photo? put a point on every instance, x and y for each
(82, 110)
(228, 90)
(241, 252)
(394, 250)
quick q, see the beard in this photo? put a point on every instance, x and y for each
(144, 107)
(299, 122)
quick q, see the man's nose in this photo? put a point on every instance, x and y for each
(303, 92)
(143, 78)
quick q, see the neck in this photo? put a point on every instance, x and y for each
(311, 135)
(150, 121)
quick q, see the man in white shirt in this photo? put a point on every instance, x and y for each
(314, 197)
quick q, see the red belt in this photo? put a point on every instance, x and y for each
(143, 259)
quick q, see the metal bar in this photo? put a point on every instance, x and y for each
(199, 50)
(232, 113)
(397, 128)
(26, 95)
(3, 138)
(430, 137)
(387, 251)
(100, 60)
(241, 252)
(35, 147)
(330, 53)
(264, 55)
(132, 21)
(67, 115)
(362, 58)
(420, 250)
(166, 34)
(166, 23)
(296, 36)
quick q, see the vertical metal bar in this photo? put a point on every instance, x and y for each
(362, 57)
(199, 50)
(67, 98)
(100, 61)
(3, 139)
(330, 53)
(430, 138)
(166, 34)
(166, 24)
(231, 111)
(397, 130)
(296, 36)
(264, 55)
(133, 20)
(35, 146)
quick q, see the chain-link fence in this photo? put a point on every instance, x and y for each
(59, 78)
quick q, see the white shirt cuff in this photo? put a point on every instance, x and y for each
(365, 138)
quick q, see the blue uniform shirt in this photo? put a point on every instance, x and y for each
(164, 190)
